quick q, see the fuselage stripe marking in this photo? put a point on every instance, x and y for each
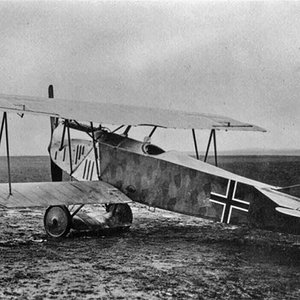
(84, 170)
(92, 171)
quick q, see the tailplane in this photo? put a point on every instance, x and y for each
(293, 190)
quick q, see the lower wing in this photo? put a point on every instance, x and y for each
(43, 194)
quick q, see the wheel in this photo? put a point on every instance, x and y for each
(121, 214)
(57, 221)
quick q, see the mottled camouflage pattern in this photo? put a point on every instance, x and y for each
(158, 183)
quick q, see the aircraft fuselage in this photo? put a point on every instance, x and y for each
(177, 182)
(171, 180)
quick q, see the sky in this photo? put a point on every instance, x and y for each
(237, 59)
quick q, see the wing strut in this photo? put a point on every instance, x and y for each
(125, 133)
(95, 151)
(63, 137)
(67, 127)
(4, 123)
(70, 150)
(118, 128)
(195, 143)
(212, 135)
(152, 131)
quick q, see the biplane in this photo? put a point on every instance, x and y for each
(110, 168)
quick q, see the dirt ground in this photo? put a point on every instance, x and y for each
(163, 256)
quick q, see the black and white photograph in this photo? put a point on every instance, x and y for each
(149, 149)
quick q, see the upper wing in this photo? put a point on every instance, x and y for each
(45, 194)
(120, 114)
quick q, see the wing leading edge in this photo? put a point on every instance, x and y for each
(117, 114)
(45, 194)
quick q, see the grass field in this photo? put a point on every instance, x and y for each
(275, 170)
(26, 168)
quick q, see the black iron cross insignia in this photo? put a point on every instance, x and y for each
(229, 201)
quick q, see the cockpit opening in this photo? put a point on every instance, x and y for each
(152, 149)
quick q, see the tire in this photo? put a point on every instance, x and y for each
(57, 221)
(121, 214)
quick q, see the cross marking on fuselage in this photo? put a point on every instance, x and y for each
(229, 201)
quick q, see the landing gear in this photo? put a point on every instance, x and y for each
(57, 221)
(119, 215)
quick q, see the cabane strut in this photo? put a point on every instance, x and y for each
(212, 136)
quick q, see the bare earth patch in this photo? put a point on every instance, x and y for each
(163, 256)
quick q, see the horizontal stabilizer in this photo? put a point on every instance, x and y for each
(281, 199)
(289, 212)
(293, 190)
(43, 194)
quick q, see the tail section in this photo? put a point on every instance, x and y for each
(293, 190)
